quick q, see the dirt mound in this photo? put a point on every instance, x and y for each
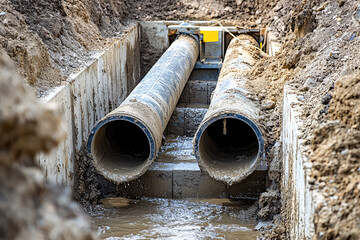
(50, 40)
(29, 208)
(244, 10)
(336, 164)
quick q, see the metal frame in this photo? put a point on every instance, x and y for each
(193, 28)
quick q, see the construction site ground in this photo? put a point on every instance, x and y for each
(43, 42)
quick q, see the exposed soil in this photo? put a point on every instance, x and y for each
(29, 207)
(336, 163)
(247, 12)
(50, 40)
(319, 49)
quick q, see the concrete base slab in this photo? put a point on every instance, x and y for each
(185, 180)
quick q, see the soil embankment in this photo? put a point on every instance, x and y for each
(320, 60)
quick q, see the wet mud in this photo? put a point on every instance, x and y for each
(121, 218)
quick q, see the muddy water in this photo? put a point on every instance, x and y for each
(176, 149)
(119, 218)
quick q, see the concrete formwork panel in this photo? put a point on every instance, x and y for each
(299, 200)
(58, 164)
(273, 44)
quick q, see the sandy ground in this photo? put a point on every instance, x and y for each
(320, 58)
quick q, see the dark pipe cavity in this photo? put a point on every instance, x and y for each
(229, 143)
(121, 145)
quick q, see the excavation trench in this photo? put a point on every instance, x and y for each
(228, 144)
(142, 144)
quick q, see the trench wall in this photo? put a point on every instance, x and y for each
(298, 198)
(299, 201)
(91, 93)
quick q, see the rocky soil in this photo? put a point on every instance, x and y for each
(320, 59)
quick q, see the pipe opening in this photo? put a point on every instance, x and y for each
(229, 144)
(120, 147)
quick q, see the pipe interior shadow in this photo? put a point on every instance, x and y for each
(227, 144)
(121, 145)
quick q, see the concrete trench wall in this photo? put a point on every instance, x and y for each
(299, 200)
(90, 94)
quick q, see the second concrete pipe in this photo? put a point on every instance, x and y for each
(126, 141)
(228, 143)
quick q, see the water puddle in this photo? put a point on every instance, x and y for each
(120, 218)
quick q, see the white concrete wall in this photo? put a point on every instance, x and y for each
(299, 201)
(273, 44)
(58, 164)
(90, 94)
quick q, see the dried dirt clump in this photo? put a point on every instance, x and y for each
(29, 208)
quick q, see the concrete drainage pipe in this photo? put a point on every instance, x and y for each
(228, 143)
(126, 141)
